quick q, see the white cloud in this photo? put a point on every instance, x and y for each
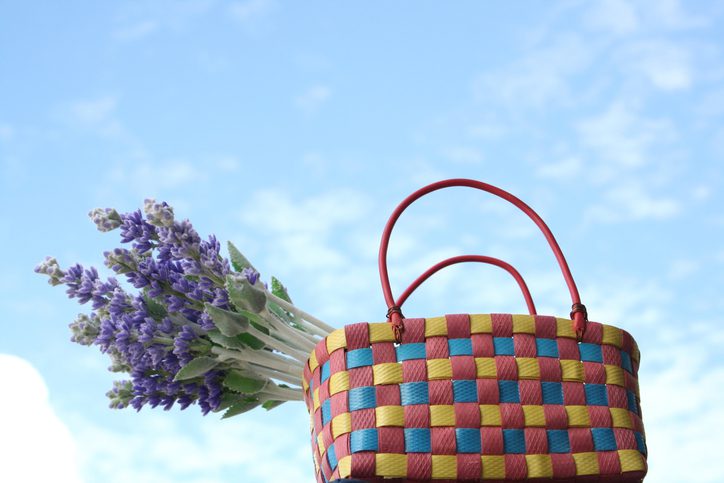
(665, 64)
(34, 444)
(630, 201)
(96, 114)
(313, 98)
(251, 10)
(463, 155)
(566, 168)
(615, 16)
(149, 177)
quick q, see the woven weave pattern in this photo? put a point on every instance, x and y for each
(476, 397)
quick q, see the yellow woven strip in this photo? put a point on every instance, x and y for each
(586, 463)
(539, 465)
(493, 467)
(481, 324)
(612, 336)
(565, 328)
(305, 385)
(345, 467)
(387, 373)
(621, 418)
(435, 326)
(523, 324)
(438, 369)
(631, 460)
(444, 466)
(635, 354)
(315, 398)
(578, 417)
(442, 415)
(490, 415)
(571, 370)
(485, 368)
(390, 416)
(338, 382)
(614, 375)
(381, 332)
(320, 445)
(336, 340)
(341, 424)
(391, 465)
(528, 368)
(534, 416)
(313, 364)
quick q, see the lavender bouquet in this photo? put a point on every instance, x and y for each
(198, 329)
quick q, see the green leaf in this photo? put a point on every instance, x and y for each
(244, 296)
(155, 309)
(251, 341)
(238, 261)
(238, 342)
(280, 290)
(241, 407)
(196, 368)
(268, 405)
(244, 382)
(229, 323)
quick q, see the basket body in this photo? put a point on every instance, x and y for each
(495, 397)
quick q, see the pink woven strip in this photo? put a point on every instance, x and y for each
(611, 355)
(492, 440)
(443, 440)
(524, 345)
(600, 416)
(609, 462)
(338, 361)
(388, 395)
(326, 469)
(361, 377)
(530, 392)
(546, 327)
(483, 345)
(630, 381)
(617, 397)
(502, 325)
(488, 391)
(467, 415)
(564, 466)
(627, 342)
(391, 440)
(463, 368)
(581, 440)
(625, 438)
(414, 331)
(638, 423)
(321, 351)
(363, 419)
(342, 446)
(340, 403)
(574, 394)
(593, 334)
(469, 466)
(324, 391)
(568, 349)
(511, 416)
(414, 370)
(417, 416)
(318, 422)
(419, 466)
(594, 372)
(383, 352)
(357, 336)
(458, 326)
(550, 369)
(440, 392)
(507, 368)
(556, 416)
(515, 467)
(536, 441)
(436, 348)
(327, 436)
(363, 465)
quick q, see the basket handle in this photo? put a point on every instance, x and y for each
(394, 314)
(470, 258)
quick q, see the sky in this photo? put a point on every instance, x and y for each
(294, 129)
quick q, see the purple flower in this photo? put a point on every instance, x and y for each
(106, 219)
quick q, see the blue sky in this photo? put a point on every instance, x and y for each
(294, 129)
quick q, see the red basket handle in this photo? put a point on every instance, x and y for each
(394, 314)
(470, 258)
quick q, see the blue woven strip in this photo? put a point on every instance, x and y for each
(460, 347)
(326, 411)
(468, 440)
(514, 441)
(406, 352)
(558, 441)
(359, 358)
(546, 347)
(509, 391)
(363, 440)
(640, 443)
(417, 440)
(590, 352)
(414, 393)
(362, 398)
(325, 371)
(632, 406)
(603, 439)
(503, 346)
(465, 391)
(596, 394)
(332, 457)
(552, 392)
(626, 361)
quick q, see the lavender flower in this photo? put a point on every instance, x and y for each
(158, 214)
(50, 267)
(106, 219)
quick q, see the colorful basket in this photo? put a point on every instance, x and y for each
(492, 397)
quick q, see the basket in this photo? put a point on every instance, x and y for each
(476, 397)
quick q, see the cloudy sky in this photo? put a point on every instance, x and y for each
(293, 130)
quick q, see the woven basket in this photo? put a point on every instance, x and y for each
(484, 397)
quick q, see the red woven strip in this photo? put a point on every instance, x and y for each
(625, 438)
(467, 415)
(360, 377)
(611, 355)
(530, 392)
(338, 361)
(600, 417)
(483, 345)
(458, 326)
(436, 348)
(469, 467)
(609, 463)
(488, 391)
(363, 465)
(318, 426)
(506, 367)
(617, 396)
(383, 352)
(388, 395)
(536, 441)
(441, 392)
(638, 423)
(363, 419)
(556, 416)
(574, 394)
(317, 377)
(443, 440)
(564, 466)
(327, 436)
(581, 440)
(414, 331)
(342, 446)
(515, 467)
(324, 391)
(502, 325)
(594, 372)
(550, 369)
(417, 416)
(524, 345)
(546, 327)
(568, 349)
(627, 343)
(463, 367)
(419, 466)
(414, 370)
(511, 416)
(321, 351)
(339, 403)
(391, 440)
(326, 469)
(492, 440)
(357, 336)
(593, 333)
(630, 381)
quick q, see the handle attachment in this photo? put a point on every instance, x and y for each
(579, 314)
